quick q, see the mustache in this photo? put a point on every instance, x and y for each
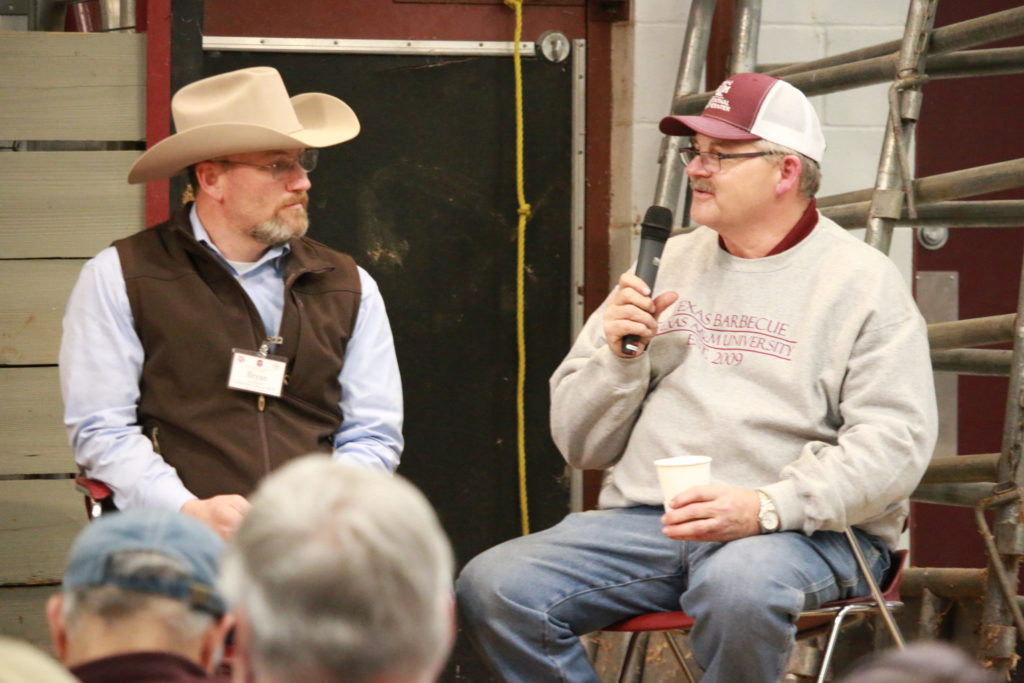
(700, 185)
(300, 198)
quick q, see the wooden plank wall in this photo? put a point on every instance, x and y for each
(57, 209)
(72, 86)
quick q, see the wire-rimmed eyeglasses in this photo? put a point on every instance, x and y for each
(282, 168)
(712, 161)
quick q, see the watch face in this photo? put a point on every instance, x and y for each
(767, 516)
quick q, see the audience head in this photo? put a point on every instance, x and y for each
(921, 662)
(23, 663)
(340, 573)
(140, 580)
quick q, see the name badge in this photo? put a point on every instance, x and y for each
(255, 372)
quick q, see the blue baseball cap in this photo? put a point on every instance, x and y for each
(164, 532)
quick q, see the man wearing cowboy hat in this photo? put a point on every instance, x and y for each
(774, 342)
(203, 353)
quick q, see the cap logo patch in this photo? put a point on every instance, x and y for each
(719, 99)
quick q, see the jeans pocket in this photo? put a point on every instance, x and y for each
(877, 557)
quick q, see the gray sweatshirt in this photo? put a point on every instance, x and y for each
(805, 374)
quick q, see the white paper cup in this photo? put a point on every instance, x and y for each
(681, 472)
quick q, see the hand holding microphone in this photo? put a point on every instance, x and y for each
(631, 315)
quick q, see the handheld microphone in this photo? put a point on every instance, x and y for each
(657, 224)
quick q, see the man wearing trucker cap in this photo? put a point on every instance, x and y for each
(786, 350)
(139, 600)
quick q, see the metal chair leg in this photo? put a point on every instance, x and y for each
(833, 636)
(632, 661)
(681, 658)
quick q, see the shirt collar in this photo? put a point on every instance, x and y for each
(203, 237)
(803, 227)
(798, 232)
(140, 666)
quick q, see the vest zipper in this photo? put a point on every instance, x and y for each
(261, 406)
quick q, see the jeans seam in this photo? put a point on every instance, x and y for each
(548, 617)
(595, 589)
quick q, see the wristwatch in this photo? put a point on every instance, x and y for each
(767, 516)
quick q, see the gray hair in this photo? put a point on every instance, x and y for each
(113, 604)
(342, 573)
(921, 662)
(810, 171)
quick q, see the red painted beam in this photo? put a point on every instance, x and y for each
(155, 21)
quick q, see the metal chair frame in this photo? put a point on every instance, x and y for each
(831, 615)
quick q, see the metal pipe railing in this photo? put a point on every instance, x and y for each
(1004, 561)
(1001, 619)
(995, 62)
(980, 362)
(957, 495)
(947, 582)
(929, 617)
(695, 48)
(691, 68)
(993, 329)
(1004, 213)
(893, 180)
(962, 468)
(745, 30)
(839, 74)
(881, 68)
(968, 182)
(977, 31)
(981, 30)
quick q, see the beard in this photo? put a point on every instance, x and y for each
(283, 227)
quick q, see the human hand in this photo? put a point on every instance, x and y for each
(632, 311)
(221, 513)
(712, 513)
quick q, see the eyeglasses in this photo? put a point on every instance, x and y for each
(279, 170)
(712, 161)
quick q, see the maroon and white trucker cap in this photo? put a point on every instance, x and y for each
(756, 106)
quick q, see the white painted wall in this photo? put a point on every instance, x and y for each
(647, 51)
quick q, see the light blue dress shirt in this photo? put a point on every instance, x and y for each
(101, 363)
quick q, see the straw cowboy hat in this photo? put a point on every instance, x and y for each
(247, 110)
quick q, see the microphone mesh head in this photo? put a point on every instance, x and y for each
(657, 223)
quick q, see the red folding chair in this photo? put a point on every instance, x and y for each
(99, 499)
(830, 616)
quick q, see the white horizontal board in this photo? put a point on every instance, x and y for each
(33, 439)
(33, 295)
(23, 615)
(39, 518)
(72, 86)
(67, 204)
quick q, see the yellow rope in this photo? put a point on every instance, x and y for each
(524, 215)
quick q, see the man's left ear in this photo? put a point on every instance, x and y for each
(241, 649)
(57, 626)
(214, 648)
(789, 174)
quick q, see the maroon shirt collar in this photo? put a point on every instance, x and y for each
(142, 667)
(796, 234)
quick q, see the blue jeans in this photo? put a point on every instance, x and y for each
(526, 602)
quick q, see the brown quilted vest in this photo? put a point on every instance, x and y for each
(190, 312)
